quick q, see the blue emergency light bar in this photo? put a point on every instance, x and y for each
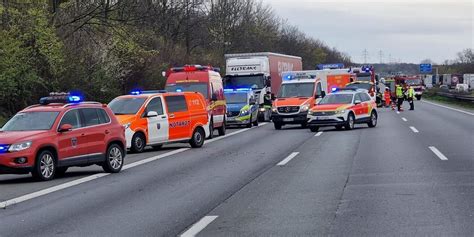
(237, 89)
(138, 92)
(61, 98)
(336, 89)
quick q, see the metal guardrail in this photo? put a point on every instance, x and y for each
(456, 96)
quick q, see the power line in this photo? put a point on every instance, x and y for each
(365, 54)
(381, 56)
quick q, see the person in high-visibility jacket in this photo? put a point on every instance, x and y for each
(400, 97)
(386, 96)
(410, 96)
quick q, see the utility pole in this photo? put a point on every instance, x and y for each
(381, 56)
(365, 54)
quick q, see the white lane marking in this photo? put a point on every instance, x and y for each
(199, 226)
(414, 129)
(46, 191)
(438, 153)
(318, 134)
(288, 158)
(398, 112)
(404, 119)
(447, 107)
(40, 193)
(232, 134)
(154, 158)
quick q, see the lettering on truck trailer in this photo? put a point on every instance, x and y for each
(284, 67)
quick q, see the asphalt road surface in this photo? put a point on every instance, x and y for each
(411, 175)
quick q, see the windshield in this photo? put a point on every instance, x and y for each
(364, 77)
(236, 98)
(413, 81)
(336, 99)
(121, 106)
(254, 82)
(365, 86)
(31, 121)
(296, 90)
(193, 87)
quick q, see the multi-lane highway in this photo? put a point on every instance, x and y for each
(411, 175)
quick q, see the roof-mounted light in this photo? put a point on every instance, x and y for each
(61, 97)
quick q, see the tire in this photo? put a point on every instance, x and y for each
(45, 166)
(211, 130)
(221, 130)
(255, 123)
(304, 125)
(197, 139)
(249, 125)
(113, 159)
(373, 119)
(138, 143)
(418, 97)
(157, 147)
(350, 122)
(277, 125)
(339, 127)
(314, 128)
(61, 171)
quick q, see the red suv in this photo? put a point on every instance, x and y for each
(58, 133)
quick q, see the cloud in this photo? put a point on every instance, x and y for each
(408, 30)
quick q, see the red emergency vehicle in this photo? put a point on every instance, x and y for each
(207, 81)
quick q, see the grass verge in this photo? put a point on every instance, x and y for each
(448, 101)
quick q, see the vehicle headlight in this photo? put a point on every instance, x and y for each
(304, 108)
(244, 112)
(20, 146)
(310, 112)
(340, 112)
(127, 125)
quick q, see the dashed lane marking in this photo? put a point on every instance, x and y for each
(288, 159)
(199, 226)
(318, 134)
(438, 153)
(414, 129)
(404, 119)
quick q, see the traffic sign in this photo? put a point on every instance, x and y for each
(426, 68)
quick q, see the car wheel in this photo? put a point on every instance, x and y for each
(211, 130)
(338, 127)
(221, 130)
(197, 139)
(61, 171)
(45, 166)
(350, 122)
(255, 123)
(277, 125)
(304, 125)
(113, 159)
(314, 128)
(138, 143)
(157, 147)
(373, 119)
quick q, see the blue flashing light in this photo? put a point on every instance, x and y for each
(244, 89)
(228, 90)
(334, 89)
(179, 90)
(74, 99)
(135, 92)
(3, 148)
(289, 77)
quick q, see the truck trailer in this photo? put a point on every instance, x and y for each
(261, 72)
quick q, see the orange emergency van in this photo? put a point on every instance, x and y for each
(207, 81)
(299, 92)
(157, 117)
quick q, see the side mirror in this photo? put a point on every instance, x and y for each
(214, 97)
(65, 128)
(151, 114)
(268, 82)
(357, 102)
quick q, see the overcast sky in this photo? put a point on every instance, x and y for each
(409, 31)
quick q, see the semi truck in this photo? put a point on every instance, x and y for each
(261, 72)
